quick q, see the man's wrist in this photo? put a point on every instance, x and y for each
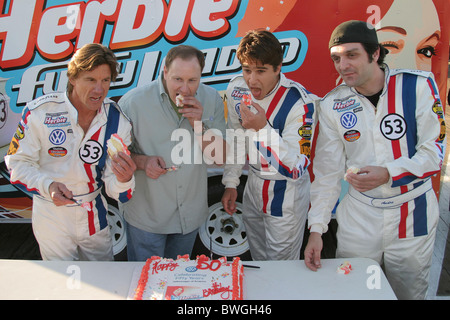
(200, 128)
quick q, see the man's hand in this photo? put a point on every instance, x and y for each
(123, 167)
(152, 165)
(368, 178)
(192, 110)
(312, 251)
(250, 120)
(60, 195)
(229, 200)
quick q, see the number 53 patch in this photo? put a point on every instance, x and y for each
(91, 151)
(393, 126)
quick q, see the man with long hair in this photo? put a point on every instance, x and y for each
(59, 153)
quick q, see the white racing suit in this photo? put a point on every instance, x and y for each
(395, 223)
(276, 196)
(50, 146)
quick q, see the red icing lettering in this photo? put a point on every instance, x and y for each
(216, 289)
(158, 266)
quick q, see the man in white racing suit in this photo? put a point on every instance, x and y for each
(386, 129)
(275, 132)
(59, 153)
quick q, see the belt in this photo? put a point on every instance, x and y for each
(266, 175)
(79, 199)
(391, 202)
(87, 197)
(270, 175)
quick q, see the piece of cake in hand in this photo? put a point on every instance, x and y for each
(247, 99)
(185, 279)
(179, 101)
(115, 145)
(351, 170)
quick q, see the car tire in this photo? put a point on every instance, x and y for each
(117, 229)
(222, 234)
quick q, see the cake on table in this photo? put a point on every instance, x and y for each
(185, 279)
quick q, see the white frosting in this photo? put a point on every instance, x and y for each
(351, 170)
(179, 100)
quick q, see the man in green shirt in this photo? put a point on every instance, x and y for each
(171, 148)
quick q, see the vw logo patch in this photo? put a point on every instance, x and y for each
(348, 120)
(57, 137)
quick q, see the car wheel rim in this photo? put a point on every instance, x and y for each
(117, 229)
(225, 234)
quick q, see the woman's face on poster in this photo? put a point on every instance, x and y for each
(409, 34)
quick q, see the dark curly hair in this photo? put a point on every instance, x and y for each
(260, 46)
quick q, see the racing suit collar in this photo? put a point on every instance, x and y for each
(280, 81)
(386, 77)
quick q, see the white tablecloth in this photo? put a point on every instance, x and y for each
(274, 280)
